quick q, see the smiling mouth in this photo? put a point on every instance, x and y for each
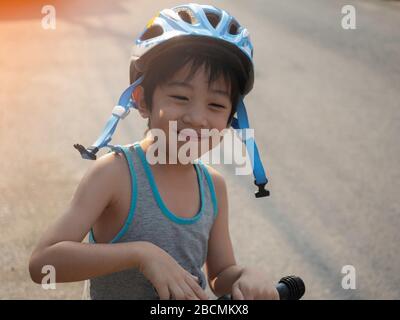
(193, 136)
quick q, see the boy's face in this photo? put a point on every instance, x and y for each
(193, 105)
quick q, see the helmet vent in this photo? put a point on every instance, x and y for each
(186, 15)
(234, 28)
(152, 32)
(213, 19)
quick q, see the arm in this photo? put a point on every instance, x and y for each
(61, 245)
(224, 275)
(222, 270)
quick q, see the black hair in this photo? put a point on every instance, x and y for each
(216, 62)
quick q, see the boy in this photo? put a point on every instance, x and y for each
(153, 226)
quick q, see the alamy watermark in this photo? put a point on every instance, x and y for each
(349, 280)
(49, 20)
(349, 18)
(49, 280)
(201, 144)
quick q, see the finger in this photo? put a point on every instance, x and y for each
(276, 293)
(273, 294)
(194, 285)
(163, 292)
(188, 291)
(247, 293)
(237, 294)
(176, 292)
(192, 278)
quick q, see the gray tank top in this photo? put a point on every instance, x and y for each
(185, 239)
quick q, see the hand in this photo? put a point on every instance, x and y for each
(253, 285)
(169, 279)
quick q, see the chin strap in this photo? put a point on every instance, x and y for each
(242, 122)
(120, 111)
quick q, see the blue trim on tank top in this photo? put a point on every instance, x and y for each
(157, 196)
(131, 213)
(211, 185)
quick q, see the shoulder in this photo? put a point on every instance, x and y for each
(106, 172)
(219, 185)
(109, 164)
(217, 178)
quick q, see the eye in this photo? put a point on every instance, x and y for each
(217, 105)
(182, 98)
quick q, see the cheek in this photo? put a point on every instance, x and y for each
(219, 120)
(168, 111)
(160, 112)
(223, 115)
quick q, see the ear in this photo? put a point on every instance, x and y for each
(138, 96)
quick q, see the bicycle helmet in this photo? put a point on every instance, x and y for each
(188, 25)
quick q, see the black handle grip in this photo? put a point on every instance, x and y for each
(289, 288)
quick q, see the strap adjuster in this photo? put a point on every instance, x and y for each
(120, 112)
(262, 192)
(89, 153)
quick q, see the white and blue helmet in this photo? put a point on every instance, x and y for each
(188, 25)
(193, 24)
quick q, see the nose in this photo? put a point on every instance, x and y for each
(195, 117)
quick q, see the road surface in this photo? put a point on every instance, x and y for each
(326, 113)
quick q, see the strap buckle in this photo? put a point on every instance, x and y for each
(262, 192)
(89, 153)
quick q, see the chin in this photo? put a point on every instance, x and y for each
(200, 148)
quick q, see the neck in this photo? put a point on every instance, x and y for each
(170, 168)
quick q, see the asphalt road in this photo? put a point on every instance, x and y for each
(325, 108)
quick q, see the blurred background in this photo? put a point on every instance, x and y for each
(325, 109)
